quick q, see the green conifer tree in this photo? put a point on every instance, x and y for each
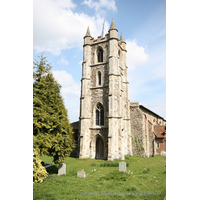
(52, 133)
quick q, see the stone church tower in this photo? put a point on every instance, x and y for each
(105, 130)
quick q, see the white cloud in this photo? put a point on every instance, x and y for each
(65, 3)
(135, 54)
(63, 78)
(80, 63)
(71, 95)
(71, 105)
(63, 61)
(57, 27)
(69, 86)
(101, 4)
(72, 91)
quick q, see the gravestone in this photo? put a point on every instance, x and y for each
(122, 167)
(163, 153)
(62, 169)
(81, 174)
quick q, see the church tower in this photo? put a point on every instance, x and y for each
(104, 103)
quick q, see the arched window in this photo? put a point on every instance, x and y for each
(100, 55)
(99, 78)
(99, 115)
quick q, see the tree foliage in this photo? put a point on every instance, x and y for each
(39, 172)
(52, 133)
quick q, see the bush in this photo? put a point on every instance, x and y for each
(39, 172)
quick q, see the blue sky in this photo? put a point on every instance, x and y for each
(59, 27)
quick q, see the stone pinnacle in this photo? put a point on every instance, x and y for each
(88, 32)
(112, 25)
(121, 38)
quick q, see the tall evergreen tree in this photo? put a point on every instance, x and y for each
(52, 133)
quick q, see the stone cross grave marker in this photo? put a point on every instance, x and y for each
(81, 174)
(62, 169)
(122, 167)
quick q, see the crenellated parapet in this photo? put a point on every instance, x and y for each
(104, 101)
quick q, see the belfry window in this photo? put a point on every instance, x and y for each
(99, 78)
(99, 115)
(100, 55)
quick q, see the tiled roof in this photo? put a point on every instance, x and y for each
(160, 130)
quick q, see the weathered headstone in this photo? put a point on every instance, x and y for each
(62, 169)
(122, 167)
(163, 153)
(81, 174)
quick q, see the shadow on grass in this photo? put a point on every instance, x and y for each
(52, 170)
(73, 156)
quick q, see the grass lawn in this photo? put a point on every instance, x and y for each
(147, 175)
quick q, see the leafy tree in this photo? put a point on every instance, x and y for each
(39, 172)
(52, 133)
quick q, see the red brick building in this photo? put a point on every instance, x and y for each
(148, 130)
(160, 138)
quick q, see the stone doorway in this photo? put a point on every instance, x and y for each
(99, 149)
